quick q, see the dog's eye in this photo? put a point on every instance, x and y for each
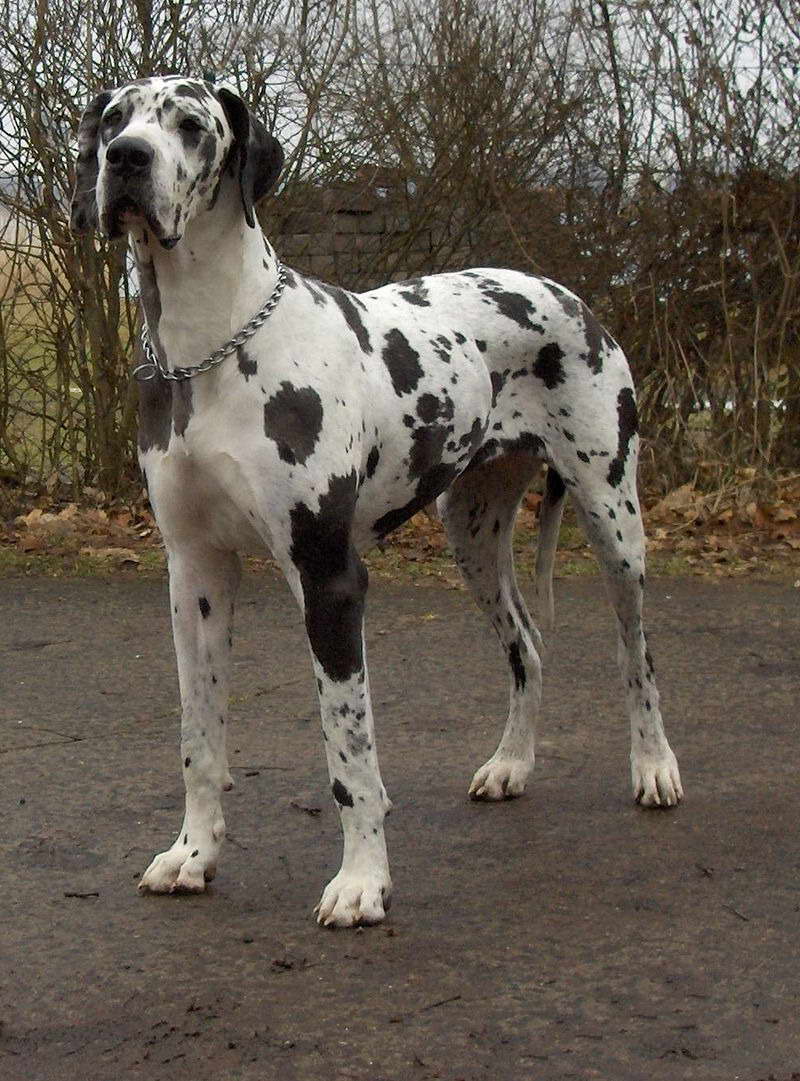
(112, 118)
(191, 125)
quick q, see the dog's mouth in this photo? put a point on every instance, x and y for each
(127, 211)
(122, 214)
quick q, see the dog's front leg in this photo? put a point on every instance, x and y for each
(361, 891)
(333, 602)
(202, 585)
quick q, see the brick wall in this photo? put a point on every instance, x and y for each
(357, 239)
(363, 249)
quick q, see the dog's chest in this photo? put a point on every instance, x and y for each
(198, 471)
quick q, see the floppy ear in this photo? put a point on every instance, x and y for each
(257, 155)
(83, 208)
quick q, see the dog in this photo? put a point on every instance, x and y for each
(326, 424)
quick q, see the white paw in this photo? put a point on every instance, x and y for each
(352, 899)
(500, 778)
(184, 868)
(656, 781)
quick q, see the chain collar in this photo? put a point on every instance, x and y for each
(153, 367)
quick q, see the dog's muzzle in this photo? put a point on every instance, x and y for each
(129, 188)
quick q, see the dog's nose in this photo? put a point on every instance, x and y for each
(129, 155)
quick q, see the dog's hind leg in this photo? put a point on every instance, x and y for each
(603, 489)
(203, 583)
(479, 511)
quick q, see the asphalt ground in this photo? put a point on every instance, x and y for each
(568, 934)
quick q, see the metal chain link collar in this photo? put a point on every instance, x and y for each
(153, 367)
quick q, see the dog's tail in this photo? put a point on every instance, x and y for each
(550, 512)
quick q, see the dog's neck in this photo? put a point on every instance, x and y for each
(199, 295)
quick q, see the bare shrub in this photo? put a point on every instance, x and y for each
(67, 321)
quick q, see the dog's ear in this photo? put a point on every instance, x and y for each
(83, 207)
(257, 155)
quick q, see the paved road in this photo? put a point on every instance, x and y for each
(565, 935)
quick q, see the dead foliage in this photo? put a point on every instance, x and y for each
(736, 530)
(115, 535)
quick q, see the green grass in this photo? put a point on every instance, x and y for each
(16, 564)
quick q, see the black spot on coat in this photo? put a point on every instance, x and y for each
(415, 292)
(428, 407)
(207, 152)
(441, 347)
(190, 139)
(497, 385)
(155, 414)
(628, 420)
(315, 288)
(334, 579)
(548, 366)
(514, 306)
(433, 483)
(247, 365)
(205, 607)
(426, 450)
(194, 91)
(402, 362)
(597, 341)
(434, 475)
(526, 442)
(357, 742)
(182, 406)
(155, 395)
(347, 304)
(293, 420)
(570, 305)
(517, 667)
(341, 794)
(372, 461)
(554, 486)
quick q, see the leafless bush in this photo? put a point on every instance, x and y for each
(67, 322)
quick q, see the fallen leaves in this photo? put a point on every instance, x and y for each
(728, 530)
(115, 536)
(737, 530)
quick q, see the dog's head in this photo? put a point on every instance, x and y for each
(156, 151)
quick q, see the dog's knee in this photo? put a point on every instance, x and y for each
(334, 612)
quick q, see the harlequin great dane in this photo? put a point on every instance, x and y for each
(328, 423)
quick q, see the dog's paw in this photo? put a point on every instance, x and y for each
(184, 868)
(656, 782)
(351, 899)
(500, 778)
(177, 872)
